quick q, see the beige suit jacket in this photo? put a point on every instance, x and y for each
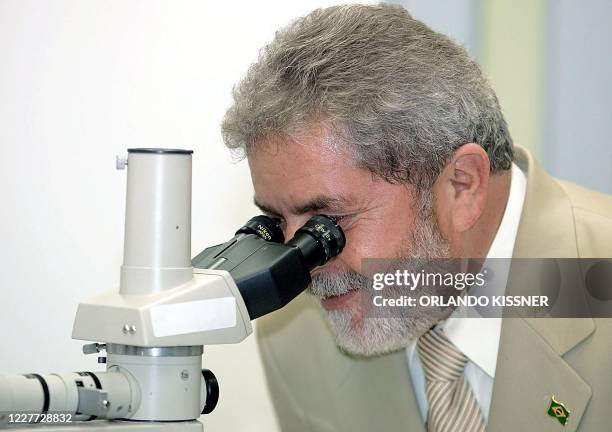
(316, 387)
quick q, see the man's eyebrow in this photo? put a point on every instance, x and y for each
(265, 208)
(318, 203)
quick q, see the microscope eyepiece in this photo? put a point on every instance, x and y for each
(320, 239)
(266, 227)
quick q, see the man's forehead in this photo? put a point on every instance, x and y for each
(306, 175)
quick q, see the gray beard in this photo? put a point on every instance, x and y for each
(379, 335)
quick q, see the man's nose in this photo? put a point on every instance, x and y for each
(292, 225)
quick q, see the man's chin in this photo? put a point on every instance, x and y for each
(369, 338)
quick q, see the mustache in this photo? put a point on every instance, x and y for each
(327, 284)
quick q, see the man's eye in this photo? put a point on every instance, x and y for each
(339, 219)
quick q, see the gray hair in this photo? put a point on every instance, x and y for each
(399, 96)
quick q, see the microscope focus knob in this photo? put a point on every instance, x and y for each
(212, 391)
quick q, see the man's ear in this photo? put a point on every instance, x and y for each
(462, 187)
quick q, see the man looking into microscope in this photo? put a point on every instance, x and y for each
(366, 114)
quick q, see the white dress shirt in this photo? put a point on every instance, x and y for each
(477, 338)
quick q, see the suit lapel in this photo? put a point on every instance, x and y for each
(383, 394)
(530, 368)
(529, 373)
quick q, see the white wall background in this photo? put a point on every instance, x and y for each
(455, 18)
(81, 81)
(578, 92)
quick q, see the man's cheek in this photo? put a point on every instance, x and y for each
(335, 266)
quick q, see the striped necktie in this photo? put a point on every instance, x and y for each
(452, 405)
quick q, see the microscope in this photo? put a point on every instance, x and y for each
(150, 333)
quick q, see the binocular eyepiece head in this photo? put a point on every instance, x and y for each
(268, 271)
(320, 239)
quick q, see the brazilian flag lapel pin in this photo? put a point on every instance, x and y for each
(557, 410)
